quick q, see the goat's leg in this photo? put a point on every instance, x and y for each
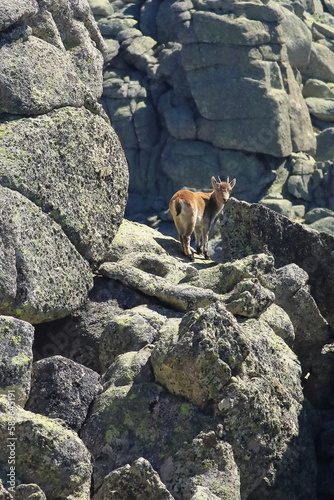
(205, 238)
(185, 244)
(198, 239)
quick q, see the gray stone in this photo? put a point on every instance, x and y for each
(102, 8)
(279, 322)
(188, 157)
(323, 109)
(311, 329)
(29, 492)
(139, 417)
(317, 88)
(317, 213)
(133, 481)
(283, 207)
(83, 191)
(130, 331)
(212, 334)
(16, 358)
(248, 298)
(325, 145)
(254, 228)
(39, 282)
(326, 224)
(156, 276)
(298, 38)
(321, 64)
(42, 90)
(50, 454)
(24, 9)
(61, 388)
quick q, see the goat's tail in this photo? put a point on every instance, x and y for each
(178, 207)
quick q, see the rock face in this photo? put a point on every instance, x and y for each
(63, 174)
(64, 466)
(16, 357)
(55, 376)
(214, 82)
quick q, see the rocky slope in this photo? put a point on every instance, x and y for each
(125, 371)
(243, 89)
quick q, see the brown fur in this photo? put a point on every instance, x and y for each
(196, 212)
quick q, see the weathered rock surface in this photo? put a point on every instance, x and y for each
(216, 82)
(138, 480)
(136, 417)
(52, 379)
(46, 453)
(16, 358)
(253, 228)
(81, 188)
(39, 282)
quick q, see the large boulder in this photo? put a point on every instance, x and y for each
(61, 388)
(218, 364)
(45, 452)
(212, 83)
(43, 277)
(50, 160)
(16, 358)
(253, 228)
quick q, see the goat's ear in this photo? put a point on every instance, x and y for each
(233, 183)
(213, 182)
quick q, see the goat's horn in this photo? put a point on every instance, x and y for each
(228, 179)
(219, 178)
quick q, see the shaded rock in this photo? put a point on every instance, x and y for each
(318, 388)
(130, 331)
(298, 38)
(210, 347)
(133, 236)
(133, 419)
(24, 9)
(321, 63)
(283, 207)
(300, 181)
(321, 108)
(155, 276)
(227, 359)
(317, 214)
(64, 467)
(16, 358)
(249, 298)
(29, 492)
(132, 366)
(188, 469)
(138, 480)
(38, 282)
(326, 225)
(311, 329)
(254, 228)
(43, 90)
(81, 188)
(279, 322)
(325, 145)
(61, 388)
(5, 495)
(317, 88)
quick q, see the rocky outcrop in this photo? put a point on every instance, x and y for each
(16, 357)
(56, 376)
(63, 468)
(190, 85)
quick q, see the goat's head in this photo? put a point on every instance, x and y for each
(223, 189)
